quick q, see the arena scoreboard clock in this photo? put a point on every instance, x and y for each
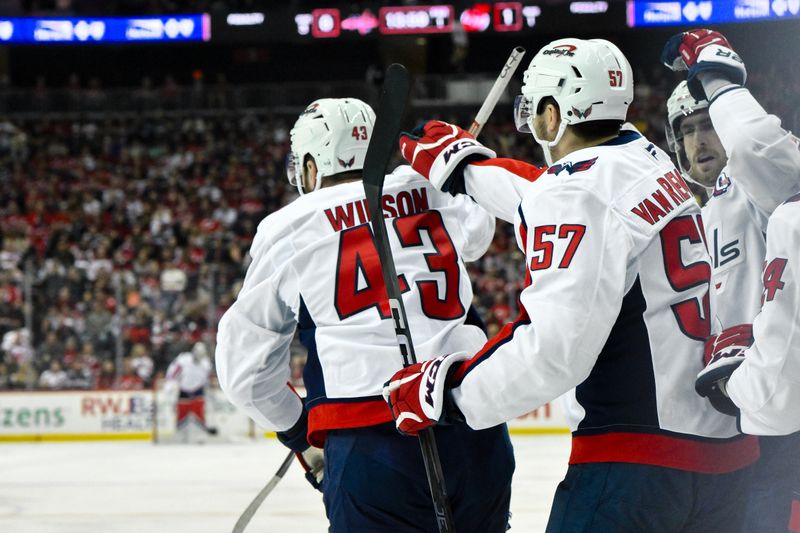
(416, 19)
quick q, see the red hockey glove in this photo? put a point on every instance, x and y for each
(416, 394)
(703, 51)
(437, 149)
(313, 462)
(722, 355)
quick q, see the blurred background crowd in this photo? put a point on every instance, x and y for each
(126, 213)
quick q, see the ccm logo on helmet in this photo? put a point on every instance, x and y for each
(561, 50)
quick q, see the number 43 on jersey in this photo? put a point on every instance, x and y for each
(359, 282)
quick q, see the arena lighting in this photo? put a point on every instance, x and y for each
(245, 19)
(588, 8)
(30, 30)
(682, 12)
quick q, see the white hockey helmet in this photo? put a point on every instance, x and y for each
(335, 132)
(199, 350)
(679, 105)
(589, 79)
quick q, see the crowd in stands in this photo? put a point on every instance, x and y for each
(123, 240)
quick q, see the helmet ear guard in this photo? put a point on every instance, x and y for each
(335, 132)
(589, 80)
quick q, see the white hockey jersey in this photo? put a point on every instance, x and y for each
(615, 313)
(315, 269)
(763, 170)
(191, 375)
(766, 386)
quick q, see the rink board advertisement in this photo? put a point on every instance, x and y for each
(128, 415)
(76, 415)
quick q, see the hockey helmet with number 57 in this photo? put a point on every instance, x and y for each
(335, 132)
(588, 79)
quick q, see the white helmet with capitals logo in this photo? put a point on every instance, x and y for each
(589, 80)
(679, 105)
(335, 132)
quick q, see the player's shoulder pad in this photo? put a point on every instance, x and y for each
(282, 224)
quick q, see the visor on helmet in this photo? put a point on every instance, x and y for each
(293, 169)
(523, 111)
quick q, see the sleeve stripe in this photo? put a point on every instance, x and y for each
(505, 336)
(523, 230)
(523, 170)
(507, 333)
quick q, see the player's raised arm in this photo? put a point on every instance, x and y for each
(457, 163)
(763, 158)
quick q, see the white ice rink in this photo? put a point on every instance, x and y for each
(138, 487)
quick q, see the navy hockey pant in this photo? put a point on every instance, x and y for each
(634, 498)
(375, 479)
(776, 475)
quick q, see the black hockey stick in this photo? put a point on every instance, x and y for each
(381, 147)
(248, 513)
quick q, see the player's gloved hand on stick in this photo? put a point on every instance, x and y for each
(311, 458)
(722, 355)
(703, 51)
(294, 438)
(438, 151)
(313, 462)
(417, 394)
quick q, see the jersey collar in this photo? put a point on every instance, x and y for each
(624, 137)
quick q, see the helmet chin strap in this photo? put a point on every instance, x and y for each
(687, 175)
(545, 144)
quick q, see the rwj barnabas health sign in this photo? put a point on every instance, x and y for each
(76, 415)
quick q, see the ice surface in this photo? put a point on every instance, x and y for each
(127, 487)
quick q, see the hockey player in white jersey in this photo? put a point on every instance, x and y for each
(614, 314)
(755, 370)
(189, 373)
(726, 142)
(315, 270)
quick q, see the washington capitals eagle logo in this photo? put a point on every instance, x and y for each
(347, 164)
(582, 114)
(572, 168)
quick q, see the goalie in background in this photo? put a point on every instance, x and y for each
(188, 374)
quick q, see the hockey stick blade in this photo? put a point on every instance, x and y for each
(248, 513)
(381, 147)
